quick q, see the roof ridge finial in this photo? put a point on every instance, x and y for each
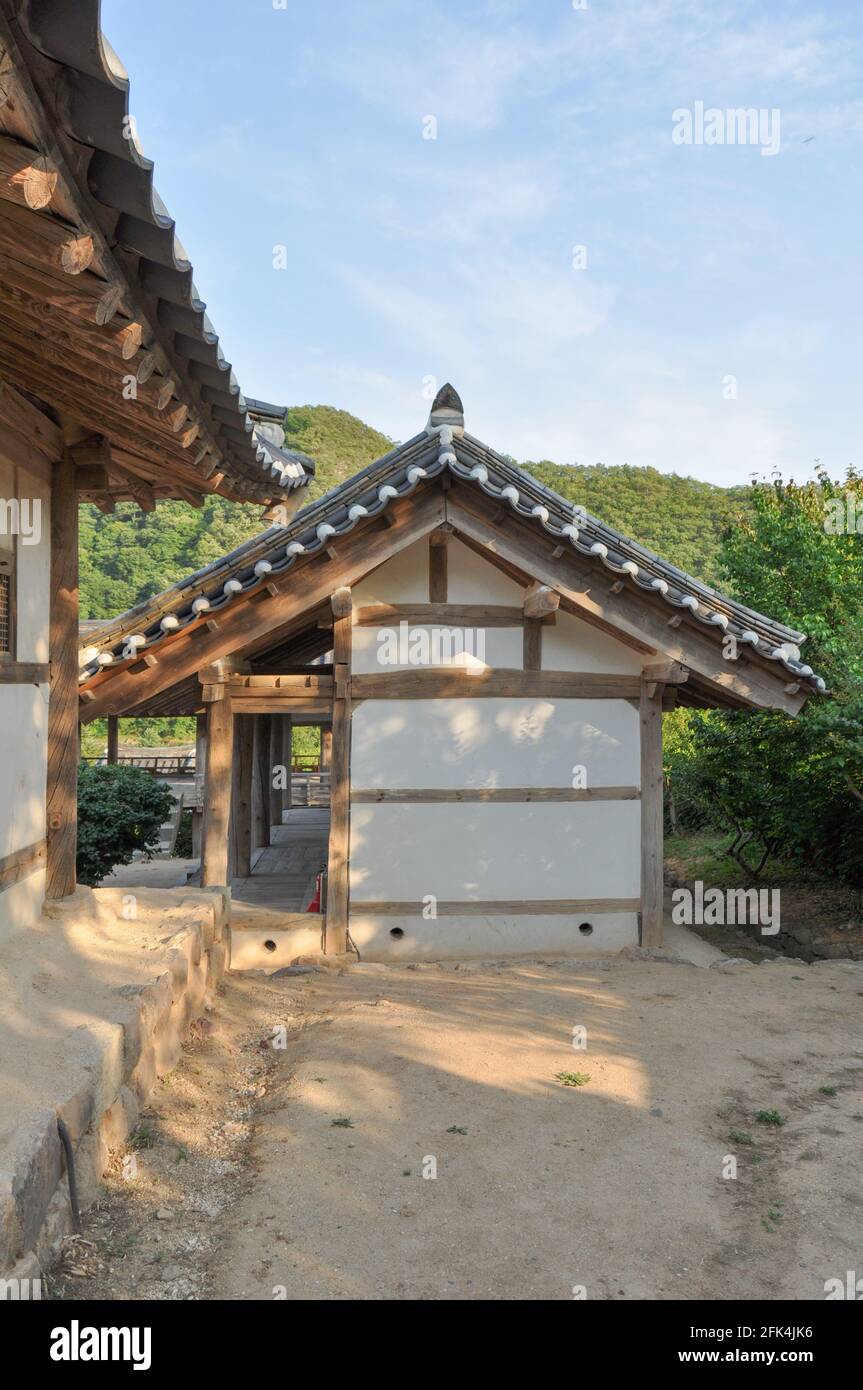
(447, 409)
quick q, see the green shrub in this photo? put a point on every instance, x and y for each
(120, 810)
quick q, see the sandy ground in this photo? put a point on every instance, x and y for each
(298, 1171)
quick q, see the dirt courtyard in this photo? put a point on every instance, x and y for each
(407, 1137)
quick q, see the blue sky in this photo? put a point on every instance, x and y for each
(410, 260)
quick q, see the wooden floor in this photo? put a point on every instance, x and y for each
(283, 876)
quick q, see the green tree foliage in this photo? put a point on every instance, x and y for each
(793, 788)
(120, 810)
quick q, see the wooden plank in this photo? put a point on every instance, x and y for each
(288, 921)
(338, 856)
(443, 615)
(503, 795)
(24, 673)
(271, 702)
(456, 683)
(21, 863)
(217, 795)
(61, 801)
(535, 907)
(241, 624)
(652, 876)
(240, 837)
(532, 645)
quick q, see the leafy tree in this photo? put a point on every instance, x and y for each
(120, 810)
(792, 788)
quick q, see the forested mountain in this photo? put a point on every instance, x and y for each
(130, 555)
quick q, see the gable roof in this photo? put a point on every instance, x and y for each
(443, 450)
(90, 202)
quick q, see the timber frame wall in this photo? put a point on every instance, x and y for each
(247, 716)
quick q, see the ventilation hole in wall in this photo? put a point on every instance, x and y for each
(269, 945)
(586, 928)
(396, 933)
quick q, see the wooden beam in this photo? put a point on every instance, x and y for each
(492, 795)
(200, 782)
(113, 739)
(217, 794)
(61, 802)
(326, 747)
(338, 859)
(26, 176)
(39, 240)
(241, 624)
(24, 672)
(540, 600)
(652, 837)
(21, 863)
(534, 907)
(440, 683)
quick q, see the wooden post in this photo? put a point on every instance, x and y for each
(288, 758)
(652, 876)
(241, 798)
(326, 747)
(217, 793)
(200, 782)
(261, 787)
(338, 863)
(113, 739)
(62, 780)
(276, 801)
(438, 584)
(532, 645)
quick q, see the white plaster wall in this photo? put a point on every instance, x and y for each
(492, 851)
(573, 645)
(495, 851)
(24, 721)
(403, 579)
(494, 743)
(479, 938)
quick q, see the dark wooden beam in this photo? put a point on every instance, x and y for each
(338, 860)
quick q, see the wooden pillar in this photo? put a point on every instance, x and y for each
(261, 786)
(288, 758)
(200, 782)
(652, 878)
(326, 747)
(276, 796)
(217, 792)
(62, 780)
(338, 863)
(113, 739)
(241, 799)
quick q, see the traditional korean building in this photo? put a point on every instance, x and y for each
(113, 385)
(492, 665)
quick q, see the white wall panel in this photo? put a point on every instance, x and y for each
(502, 852)
(494, 743)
